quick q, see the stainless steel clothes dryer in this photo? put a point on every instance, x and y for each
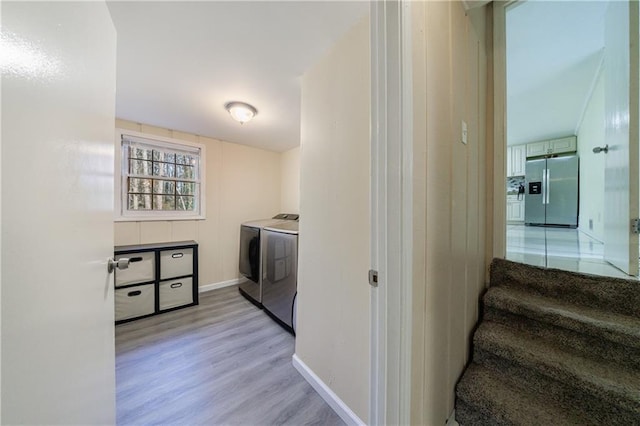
(250, 259)
(280, 272)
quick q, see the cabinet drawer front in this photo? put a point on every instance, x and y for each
(132, 302)
(141, 269)
(176, 263)
(176, 293)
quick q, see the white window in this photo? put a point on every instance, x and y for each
(160, 178)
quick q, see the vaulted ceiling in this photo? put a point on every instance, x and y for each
(554, 54)
(180, 62)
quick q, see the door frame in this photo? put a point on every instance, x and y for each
(391, 209)
(499, 78)
(623, 256)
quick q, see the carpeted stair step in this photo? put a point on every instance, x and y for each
(486, 397)
(534, 383)
(612, 388)
(553, 348)
(598, 334)
(610, 294)
(469, 415)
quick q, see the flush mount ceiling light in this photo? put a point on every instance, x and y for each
(240, 111)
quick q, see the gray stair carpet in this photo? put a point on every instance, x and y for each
(553, 348)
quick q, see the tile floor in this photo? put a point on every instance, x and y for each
(560, 248)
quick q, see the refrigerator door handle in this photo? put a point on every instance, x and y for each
(548, 185)
(544, 186)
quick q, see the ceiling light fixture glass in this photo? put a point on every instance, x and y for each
(240, 111)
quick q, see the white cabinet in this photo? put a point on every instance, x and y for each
(536, 149)
(515, 209)
(558, 146)
(553, 146)
(516, 160)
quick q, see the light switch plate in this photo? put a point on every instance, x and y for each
(464, 132)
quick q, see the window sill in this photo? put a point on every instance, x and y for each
(156, 218)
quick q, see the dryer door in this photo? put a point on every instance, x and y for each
(249, 263)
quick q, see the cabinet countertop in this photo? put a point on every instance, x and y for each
(155, 246)
(514, 197)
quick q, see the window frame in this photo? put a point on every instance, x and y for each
(120, 176)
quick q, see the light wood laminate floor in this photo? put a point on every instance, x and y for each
(221, 362)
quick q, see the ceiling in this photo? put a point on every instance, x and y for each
(180, 62)
(554, 54)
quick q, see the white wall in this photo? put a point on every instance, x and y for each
(450, 198)
(333, 292)
(590, 135)
(290, 181)
(243, 183)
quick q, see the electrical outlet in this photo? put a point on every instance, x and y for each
(464, 132)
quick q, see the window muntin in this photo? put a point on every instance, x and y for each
(160, 178)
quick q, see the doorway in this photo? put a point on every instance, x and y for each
(557, 99)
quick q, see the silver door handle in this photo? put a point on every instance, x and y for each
(548, 185)
(599, 149)
(544, 186)
(122, 263)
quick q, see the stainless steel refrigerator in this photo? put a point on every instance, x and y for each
(551, 191)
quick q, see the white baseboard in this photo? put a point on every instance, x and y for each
(221, 284)
(327, 394)
(591, 235)
(451, 421)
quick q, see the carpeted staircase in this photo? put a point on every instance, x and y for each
(553, 348)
